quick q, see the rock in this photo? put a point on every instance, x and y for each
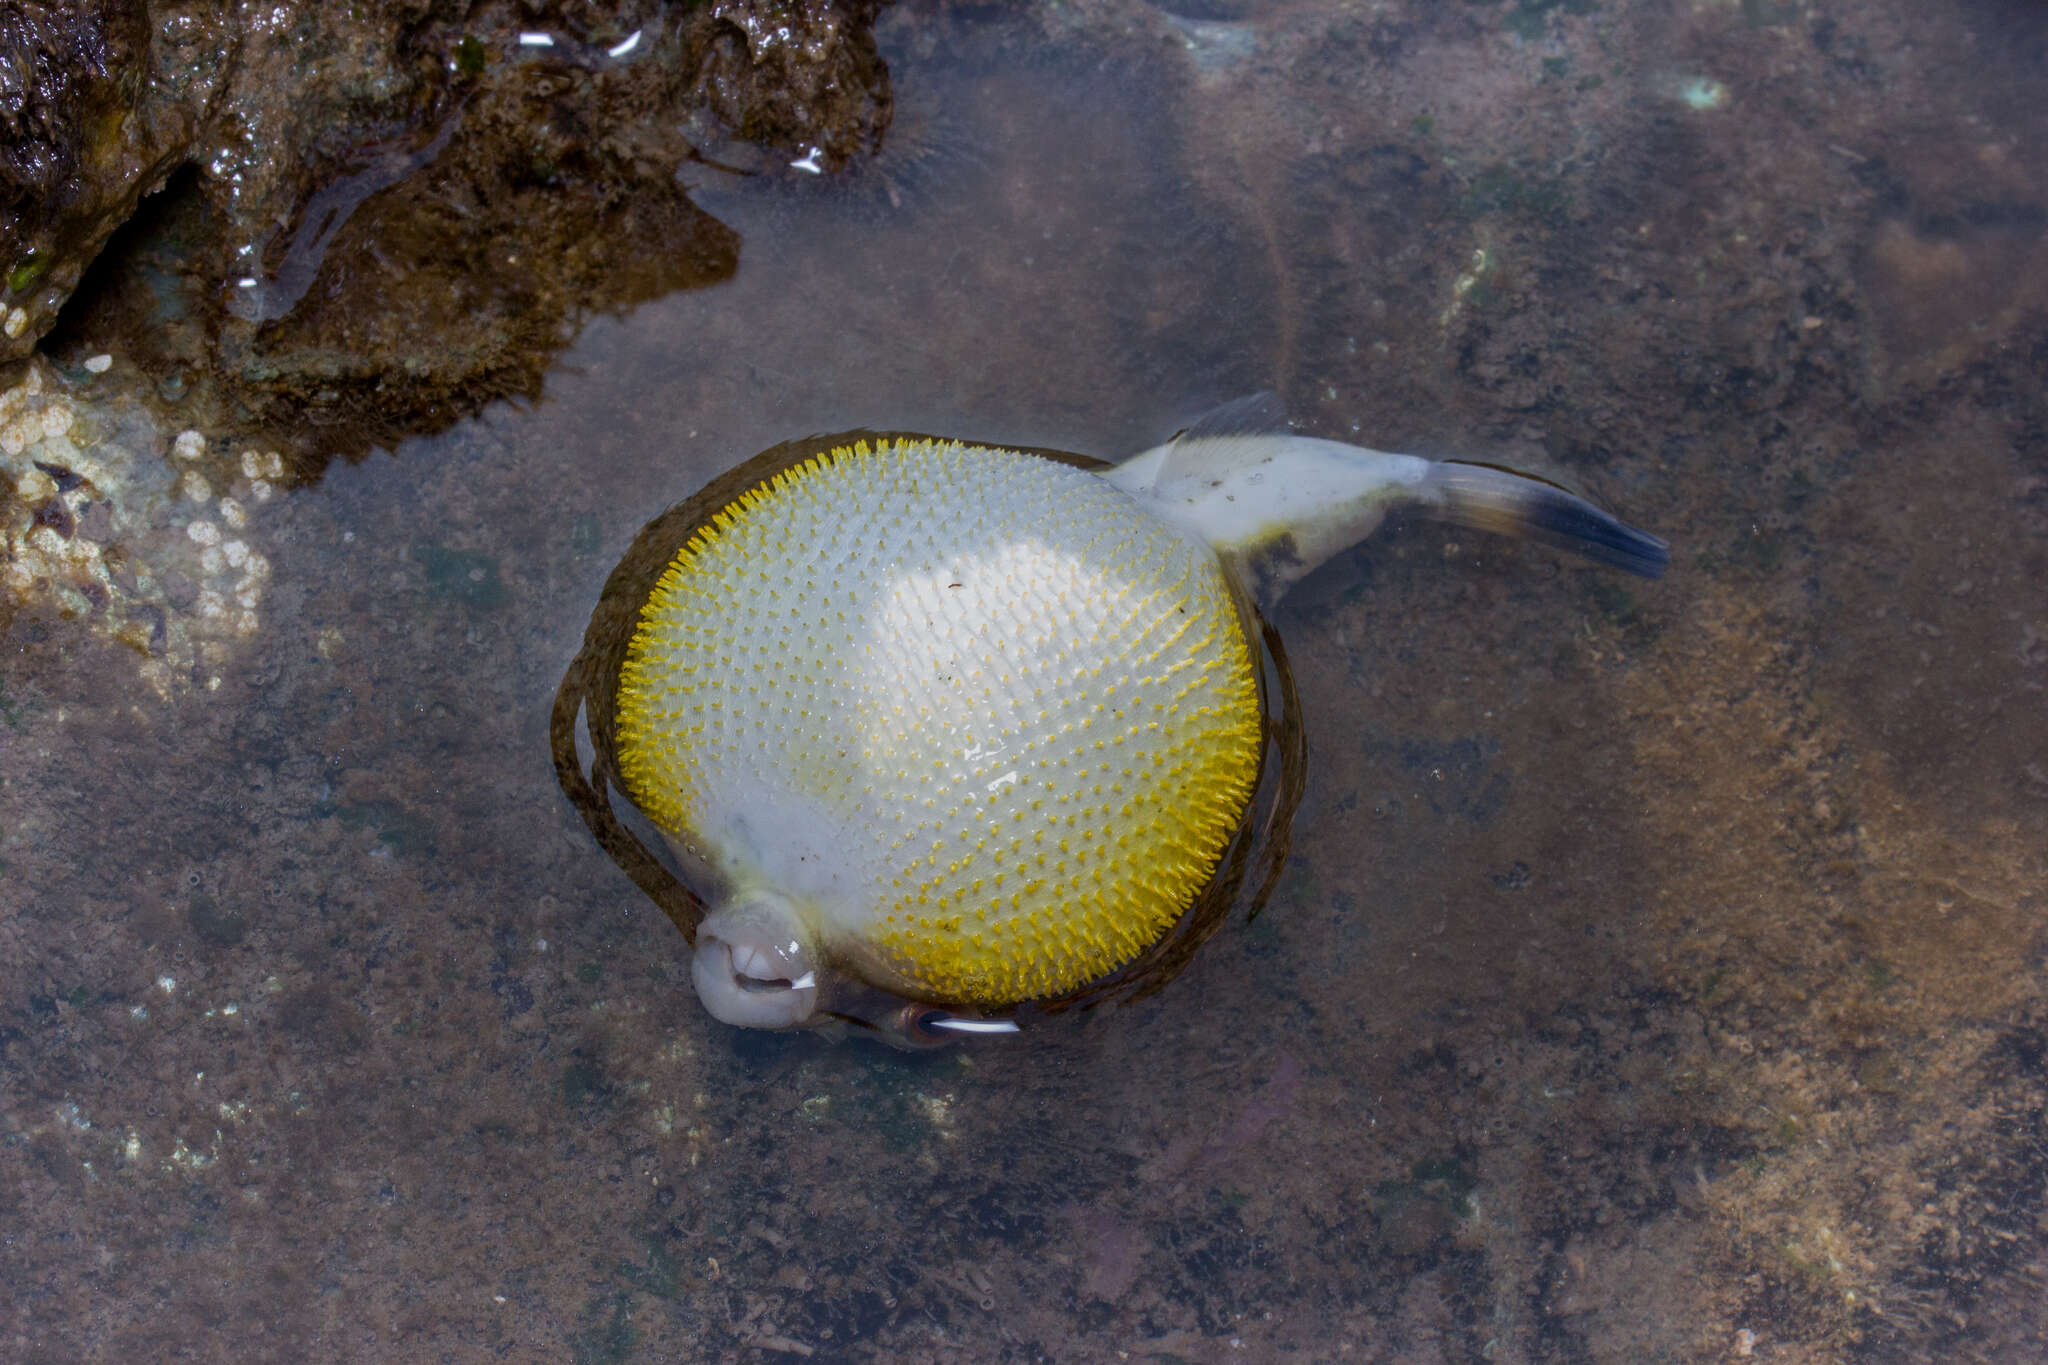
(518, 168)
(87, 127)
(804, 77)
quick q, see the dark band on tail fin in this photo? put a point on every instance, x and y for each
(1490, 498)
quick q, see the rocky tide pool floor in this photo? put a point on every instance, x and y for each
(1659, 972)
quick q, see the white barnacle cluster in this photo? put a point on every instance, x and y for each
(97, 529)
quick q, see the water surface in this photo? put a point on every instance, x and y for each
(1658, 973)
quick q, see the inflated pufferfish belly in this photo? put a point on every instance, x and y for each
(982, 718)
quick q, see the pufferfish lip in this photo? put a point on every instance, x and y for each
(755, 968)
(747, 972)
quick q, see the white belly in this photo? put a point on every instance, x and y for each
(979, 715)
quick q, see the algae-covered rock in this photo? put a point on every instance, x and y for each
(518, 166)
(90, 121)
(772, 69)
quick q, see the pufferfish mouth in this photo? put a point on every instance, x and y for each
(751, 968)
(756, 971)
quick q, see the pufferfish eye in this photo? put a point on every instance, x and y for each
(935, 735)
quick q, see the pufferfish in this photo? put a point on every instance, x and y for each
(925, 737)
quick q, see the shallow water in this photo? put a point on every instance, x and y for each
(1658, 974)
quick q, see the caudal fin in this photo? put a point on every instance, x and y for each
(1489, 498)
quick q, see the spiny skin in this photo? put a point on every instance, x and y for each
(977, 714)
